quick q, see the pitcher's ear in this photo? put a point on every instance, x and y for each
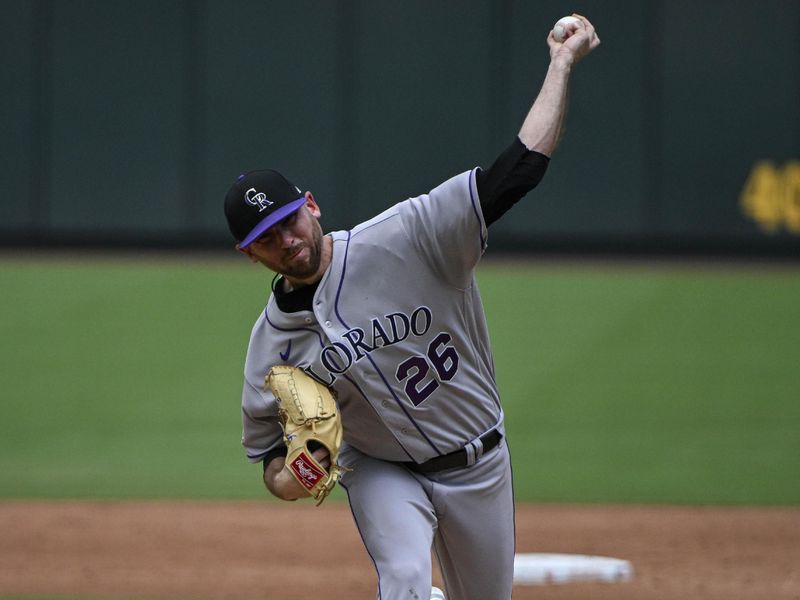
(311, 205)
(247, 252)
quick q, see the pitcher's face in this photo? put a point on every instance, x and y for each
(293, 246)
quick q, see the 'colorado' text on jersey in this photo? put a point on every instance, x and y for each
(413, 379)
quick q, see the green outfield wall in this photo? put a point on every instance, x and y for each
(125, 121)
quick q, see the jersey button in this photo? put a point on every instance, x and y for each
(404, 430)
(385, 403)
(308, 319)
(327, 323)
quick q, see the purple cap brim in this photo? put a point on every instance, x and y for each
(270, 220)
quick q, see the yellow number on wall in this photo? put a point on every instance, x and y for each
(791, 193)
(771, 196)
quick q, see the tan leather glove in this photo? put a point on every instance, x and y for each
(309, 415)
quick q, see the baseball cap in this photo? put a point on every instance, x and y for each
(258, 200)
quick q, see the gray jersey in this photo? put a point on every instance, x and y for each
(414, 379)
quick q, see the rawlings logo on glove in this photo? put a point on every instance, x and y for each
(309, 415)
(305, 472)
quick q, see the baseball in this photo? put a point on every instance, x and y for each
(565, 27)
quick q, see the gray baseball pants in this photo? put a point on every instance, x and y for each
(466, 515)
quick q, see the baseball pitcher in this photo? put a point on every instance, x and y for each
(371, 366)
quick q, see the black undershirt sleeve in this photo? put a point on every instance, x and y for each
(515, 173)
(275, 453)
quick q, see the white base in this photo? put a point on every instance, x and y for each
(544, 569)
(437, 594)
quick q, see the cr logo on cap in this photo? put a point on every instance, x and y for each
(255, 198)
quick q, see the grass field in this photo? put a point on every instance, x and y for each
(655, 384)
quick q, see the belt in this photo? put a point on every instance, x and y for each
(467, 456)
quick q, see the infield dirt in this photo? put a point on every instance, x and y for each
(274, 551)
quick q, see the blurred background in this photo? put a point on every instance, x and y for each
(124, 122)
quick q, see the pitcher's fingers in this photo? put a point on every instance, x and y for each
(594, 39)
(322, 456)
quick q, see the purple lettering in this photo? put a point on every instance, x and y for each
(356, 339)
(379, 333)
(310, 372)
(427, 318)
(398, 337)
(336, 352)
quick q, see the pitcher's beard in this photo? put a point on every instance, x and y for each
(310, 264)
